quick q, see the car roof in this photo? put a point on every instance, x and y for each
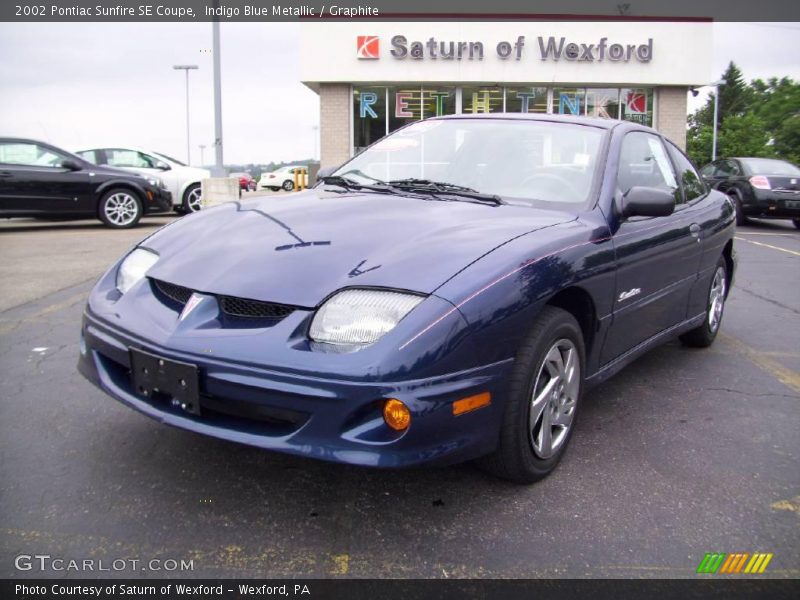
(592, 121)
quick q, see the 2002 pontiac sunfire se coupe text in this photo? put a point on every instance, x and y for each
(448, 294)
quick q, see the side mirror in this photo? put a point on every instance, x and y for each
(162, 166)
(71, 165)
(643, 201)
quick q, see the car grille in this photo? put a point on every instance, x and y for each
(231, 306)
(174, 292)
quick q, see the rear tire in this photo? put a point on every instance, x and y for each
(705, 334)
(120, 209)
(544, 396)
(741, 219)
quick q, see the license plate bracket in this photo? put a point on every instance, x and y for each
(152, 375)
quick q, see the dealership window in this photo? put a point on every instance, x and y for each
(378, 110)
(369, 116)
(481, 99)
(526, 99)
(603, 102)
(569, 101)
(637, 105)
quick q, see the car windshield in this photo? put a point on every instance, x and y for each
(529, 161)
(766, 166)
(170, 159)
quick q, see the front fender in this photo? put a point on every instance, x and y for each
(501, 295)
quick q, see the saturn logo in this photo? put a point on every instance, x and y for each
(368, 47)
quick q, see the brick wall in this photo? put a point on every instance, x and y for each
(671, 114)
(335, 104)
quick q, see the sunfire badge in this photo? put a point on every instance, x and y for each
(368, 46)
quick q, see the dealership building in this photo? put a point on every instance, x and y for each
(373, 78)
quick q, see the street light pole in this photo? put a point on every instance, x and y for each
(202, 154)
(716, 85)
(187, 68)
(219, 169)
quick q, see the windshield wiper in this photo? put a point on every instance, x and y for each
(350, 184)
(442, 187)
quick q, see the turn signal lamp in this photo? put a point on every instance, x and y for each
(396, 415)
(471, 403)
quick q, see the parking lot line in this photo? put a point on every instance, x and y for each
(786, 376)
(741, 239)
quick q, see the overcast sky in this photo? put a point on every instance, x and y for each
(78, 85)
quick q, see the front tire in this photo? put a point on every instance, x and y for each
(704, 335)
(796, 223)
(544, 395)
(288, 185)
(120, 209)
(192, 198)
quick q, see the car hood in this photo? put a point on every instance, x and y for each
(299, 249)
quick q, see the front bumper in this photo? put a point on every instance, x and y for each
(774, 204)
(305, 414)
(157, 200)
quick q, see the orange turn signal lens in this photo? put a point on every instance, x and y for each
(471, 403)
(396, 415)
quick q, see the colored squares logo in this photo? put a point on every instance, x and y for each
(721, 563)
(368, 47)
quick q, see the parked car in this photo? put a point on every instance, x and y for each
(40, 180)
(282, 178)
(419, 307)
(759, 187)
(246, 181)
(182, 181)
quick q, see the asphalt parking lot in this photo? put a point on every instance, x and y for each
(685, 452)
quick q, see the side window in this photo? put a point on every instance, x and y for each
(726, 168)
(30, 155)
(643, 162)
(117, 157)
(88, 155)
(709, 170)
(734, 168)
(693, 186)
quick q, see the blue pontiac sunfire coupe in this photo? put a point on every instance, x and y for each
(448, 294)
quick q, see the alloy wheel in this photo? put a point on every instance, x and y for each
(716, 299)
(121, 209)
(194, 199)
(554, 398)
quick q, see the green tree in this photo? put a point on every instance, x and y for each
(744, 135)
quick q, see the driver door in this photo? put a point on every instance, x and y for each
(32, 180)
(657, 257)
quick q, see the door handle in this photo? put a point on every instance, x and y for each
(695, 230)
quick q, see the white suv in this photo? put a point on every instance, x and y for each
(282, 178)
(181, 180)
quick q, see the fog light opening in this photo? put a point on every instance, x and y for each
(396, 414)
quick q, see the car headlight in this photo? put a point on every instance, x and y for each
(155, 182)
(360, 317)
(134, 268)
